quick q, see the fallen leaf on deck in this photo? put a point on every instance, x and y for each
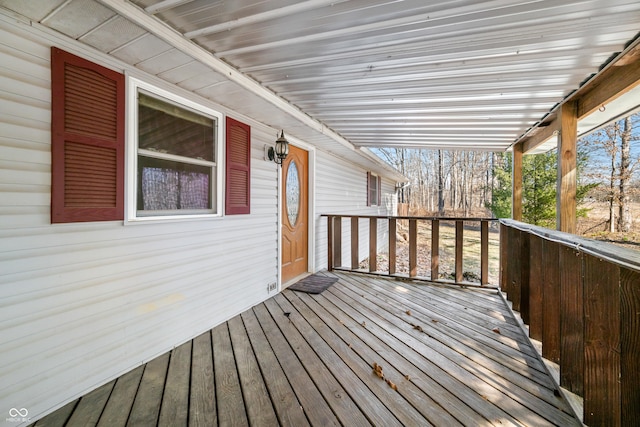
(392, 385)
(496, 330)
(408, 312)
(407, 377)
(377, 369)
(434, 320)
(418, 328)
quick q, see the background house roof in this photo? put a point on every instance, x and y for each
(461, 74)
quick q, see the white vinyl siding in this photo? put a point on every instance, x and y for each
(341, 188)
(83, 303)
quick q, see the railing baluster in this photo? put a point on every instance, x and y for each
(392, 245)
(337, 239)
(484, 253)
(435, 249)
(373, 244)
(330, 243)
(334, 231)
(459, 242)
(355, 256)
(413, 248)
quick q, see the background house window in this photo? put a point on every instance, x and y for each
(176, 158)
(374, 192)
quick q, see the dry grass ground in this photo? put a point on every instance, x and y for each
(596, 226)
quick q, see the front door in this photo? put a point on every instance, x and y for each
(295, 214)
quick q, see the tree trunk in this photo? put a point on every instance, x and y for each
(440, 184)
(624, 212)
(612, 213)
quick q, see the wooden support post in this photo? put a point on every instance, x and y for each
(435, 249)
(567, 168)
(330, 243)
(516, 175)
(484, 253)
(459, 246)
(373, 244)
(392, 245)
(337, 240)
(413, 248)
(355, 258)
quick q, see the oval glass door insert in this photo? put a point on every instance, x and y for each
(293, 193)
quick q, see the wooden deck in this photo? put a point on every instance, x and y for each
(451, 357)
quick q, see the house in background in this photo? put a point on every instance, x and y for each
(139, 206)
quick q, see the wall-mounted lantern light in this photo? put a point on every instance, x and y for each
(281, 150)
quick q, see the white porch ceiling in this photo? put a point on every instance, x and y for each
(460, 74)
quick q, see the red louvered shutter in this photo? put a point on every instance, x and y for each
(87, 140)
(238, 168)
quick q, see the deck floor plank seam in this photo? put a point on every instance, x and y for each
(432, 371)
(355, 374)
(287, 407)
(298, 359)
(531, 402)
(304, 387)
(175, 400)
(202, 394)
(489, 346)
(260, 409)
(311, 351)
(146, 405)
(453, 318)
(230, 403)
(420, 401)
(455, 364)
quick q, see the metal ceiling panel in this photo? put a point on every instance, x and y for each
(461, 74)
(412, 73)
(78, 17)
(114, 33)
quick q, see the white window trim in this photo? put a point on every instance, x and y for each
(131, 175)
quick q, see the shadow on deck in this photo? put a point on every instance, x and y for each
(449, 356)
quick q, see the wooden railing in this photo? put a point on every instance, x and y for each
(335, 245)
(581, 299)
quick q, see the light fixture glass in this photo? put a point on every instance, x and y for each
(281, 149)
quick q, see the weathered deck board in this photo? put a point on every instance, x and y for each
(231, 406)
(202, 407)
(300, 359)
(174, 411)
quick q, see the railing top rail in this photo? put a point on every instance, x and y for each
(424, 218)
(624, 257)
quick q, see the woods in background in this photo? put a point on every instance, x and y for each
(467, 183)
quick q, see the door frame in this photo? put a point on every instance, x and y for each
(311, 211)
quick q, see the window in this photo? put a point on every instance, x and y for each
(174, 157)
(374, 192)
